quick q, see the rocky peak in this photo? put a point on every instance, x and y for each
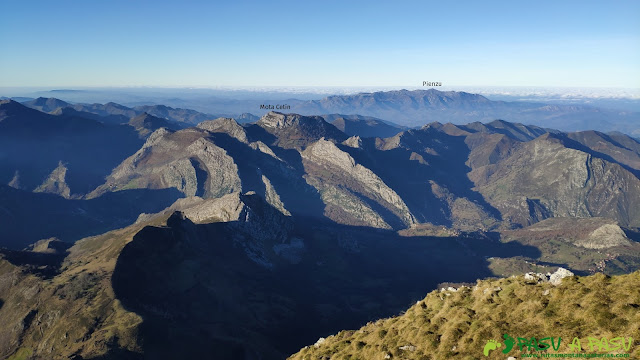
(324, 150)
(297, 131)
(225, 125)
(201, 211)
(156, 137)
(56, 182)
(15, 181)
(279, 120)
(354, 142)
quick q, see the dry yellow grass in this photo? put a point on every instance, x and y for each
(458, 324)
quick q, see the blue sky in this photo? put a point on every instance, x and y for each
(319, 43)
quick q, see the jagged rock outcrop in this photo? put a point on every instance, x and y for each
(186, 160)
(329, 167)
(354, 142)
(554, 279)
(272, 197)
(15, 180)
(297, 131)
(262, 147)
(344, 207)
(225, 125)
(226, 208)
(56, 183)
(256, 224)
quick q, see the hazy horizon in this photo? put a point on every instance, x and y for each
(611, 92)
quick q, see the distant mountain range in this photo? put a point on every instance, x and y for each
(405, 108)
(133, 233)
(116, 113)
(419, 107)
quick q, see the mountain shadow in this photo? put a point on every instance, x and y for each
(114, 353)
(200, 293)
(44, 265)
(428, 169)
(286, 178)
(70, 220)
(38, 143)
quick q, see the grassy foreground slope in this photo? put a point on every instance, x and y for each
(459, 323)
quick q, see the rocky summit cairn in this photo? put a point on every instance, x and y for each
(555, 278)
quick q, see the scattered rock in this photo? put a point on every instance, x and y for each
(554, 279)
(495, 289)
(561, 273)
(536, 277)
(407, 348)
(319, 342)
